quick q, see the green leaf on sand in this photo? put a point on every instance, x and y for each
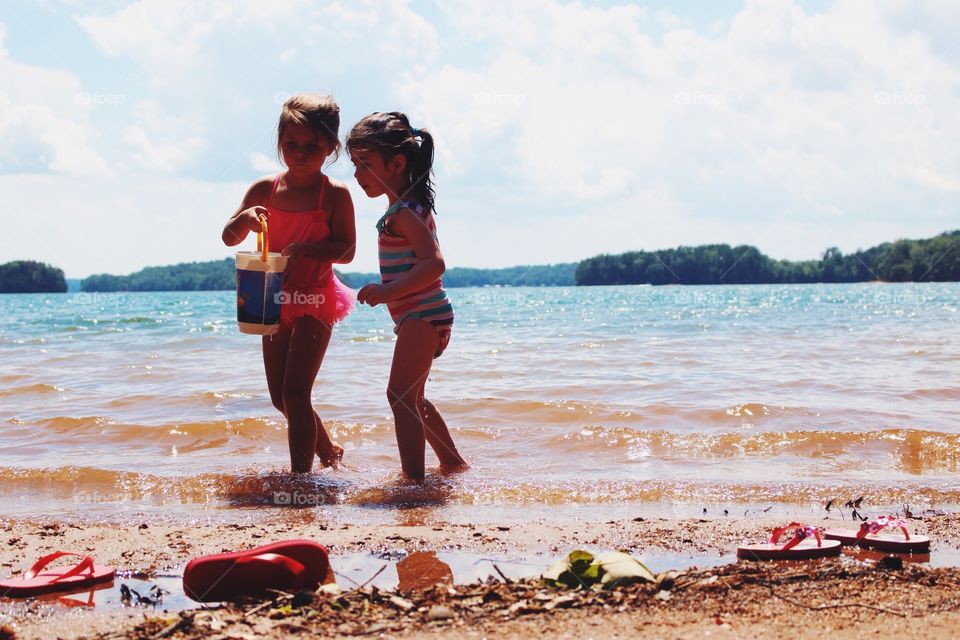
(622, 568)
(583, 569)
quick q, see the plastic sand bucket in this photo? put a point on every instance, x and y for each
(259, 286)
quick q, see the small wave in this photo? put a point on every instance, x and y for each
(30, 389)
(911, 450)
(108, 429)
(88, 485)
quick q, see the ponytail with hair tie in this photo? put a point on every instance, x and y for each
(390, 133)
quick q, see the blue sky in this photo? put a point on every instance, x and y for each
(130, 130)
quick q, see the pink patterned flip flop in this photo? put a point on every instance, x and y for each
(804, 544)
(870, 536)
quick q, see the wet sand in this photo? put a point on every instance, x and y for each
(737, 600)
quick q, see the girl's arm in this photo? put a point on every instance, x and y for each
(246, 218)
(430, 265)
(342, 245)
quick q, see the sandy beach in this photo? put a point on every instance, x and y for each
(862, 597)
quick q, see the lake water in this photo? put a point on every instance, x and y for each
(568, 402)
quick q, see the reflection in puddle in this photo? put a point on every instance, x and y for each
(162, 593)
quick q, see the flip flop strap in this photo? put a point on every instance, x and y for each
(86, 564)
(801, 533)
(296, 568)
(880, 523)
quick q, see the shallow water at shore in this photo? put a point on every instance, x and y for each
(568, 402)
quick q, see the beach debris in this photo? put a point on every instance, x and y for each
(666, 580)
(401, 603)
(208, 620)
(370, 611)
(7, 632)
(854, 504)
(581, 569)
(440, 612)
(890, 563)
(185, 621)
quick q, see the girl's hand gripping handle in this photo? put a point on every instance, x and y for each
(263, 238)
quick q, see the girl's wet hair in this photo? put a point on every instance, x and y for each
(317, 112)
(390, 133)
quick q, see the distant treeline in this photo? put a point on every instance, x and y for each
(27, 276)
(221, 275)
(934, 259)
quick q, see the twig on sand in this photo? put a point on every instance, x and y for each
(184, 622)
(372, 578)
(263, 605)
(497, 569)
(841, 605)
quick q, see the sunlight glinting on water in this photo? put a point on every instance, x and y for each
(557, 396)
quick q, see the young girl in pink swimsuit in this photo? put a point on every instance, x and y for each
(396, 160)
(309, 217)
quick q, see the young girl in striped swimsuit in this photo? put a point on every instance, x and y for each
(395, 160)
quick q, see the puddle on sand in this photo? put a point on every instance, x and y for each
(403, 570)
(392, 569)
(408, 571)
(110, 596)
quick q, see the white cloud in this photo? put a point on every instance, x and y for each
(564, 129)
(784, 118)
(101, 225)
(44, 121)
(264, 164)
(161, 156)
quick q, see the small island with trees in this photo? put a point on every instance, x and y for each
(27, 276)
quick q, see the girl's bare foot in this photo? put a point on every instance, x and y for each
(456, 467)
(332, 457)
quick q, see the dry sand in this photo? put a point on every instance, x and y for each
(857, 599)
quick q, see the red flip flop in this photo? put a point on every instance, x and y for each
(870, 536)
(805, 544)
(37, 581)
(289, 565)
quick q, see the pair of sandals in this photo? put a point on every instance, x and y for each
(807, 542)
(289, 565)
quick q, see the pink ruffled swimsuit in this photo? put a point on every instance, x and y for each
(310, 287)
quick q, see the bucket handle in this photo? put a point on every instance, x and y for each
(263, 238)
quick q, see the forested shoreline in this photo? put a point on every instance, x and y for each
(934, 259)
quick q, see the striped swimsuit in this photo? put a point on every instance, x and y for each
(397, 256)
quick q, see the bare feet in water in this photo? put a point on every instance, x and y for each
(332, 457)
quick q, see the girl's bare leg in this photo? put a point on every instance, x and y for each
(275, 349)
(307, 346)
(417, 419)
(412, 358)
(438, 435)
